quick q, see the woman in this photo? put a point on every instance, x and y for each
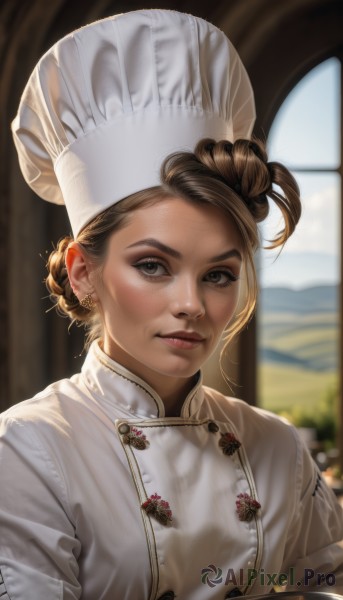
(131, 480)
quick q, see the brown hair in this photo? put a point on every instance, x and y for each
(236, 178)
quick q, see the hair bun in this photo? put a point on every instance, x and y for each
(244, 167)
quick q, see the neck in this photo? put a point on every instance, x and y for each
(173, 401)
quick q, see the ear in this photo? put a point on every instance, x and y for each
(79, 270)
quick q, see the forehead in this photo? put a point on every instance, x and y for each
(181, 224)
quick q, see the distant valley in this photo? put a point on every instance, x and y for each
(298, 343)
(318, 299)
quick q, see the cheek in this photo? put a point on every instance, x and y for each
(223, 309)
(130, 298)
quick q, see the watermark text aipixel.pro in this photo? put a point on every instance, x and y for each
(213, 575)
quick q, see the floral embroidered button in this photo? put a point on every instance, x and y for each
(246, 507)
(136, 438)
(159, 509)
(229, 443)
(133, 436)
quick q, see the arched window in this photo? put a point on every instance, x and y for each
(298, 318)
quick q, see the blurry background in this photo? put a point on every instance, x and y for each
(289, 358)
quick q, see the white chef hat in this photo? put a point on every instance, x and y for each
(107, 103)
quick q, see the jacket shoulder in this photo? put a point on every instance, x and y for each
(250, 421)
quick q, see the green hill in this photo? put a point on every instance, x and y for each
(283, 387)
(289, 334)
(313, 299)
(298, 345)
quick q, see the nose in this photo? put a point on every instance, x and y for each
(187, 300)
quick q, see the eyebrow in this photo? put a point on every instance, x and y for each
(229, 254)
(175, 254)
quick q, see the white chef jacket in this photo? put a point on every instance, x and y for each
(72, 523)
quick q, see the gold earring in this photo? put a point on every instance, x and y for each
(87, 302)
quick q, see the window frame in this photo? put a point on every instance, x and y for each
(247, 379)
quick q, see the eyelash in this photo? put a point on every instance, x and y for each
(141, 265)
(231, 278)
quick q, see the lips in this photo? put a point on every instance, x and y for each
(182, 340)
(191, 336)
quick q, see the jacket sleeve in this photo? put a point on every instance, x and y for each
(314, 551)
(38, 547)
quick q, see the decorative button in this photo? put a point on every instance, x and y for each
(213, 427)
(229, 443)
(246, 507)
(158, 508)
(124, 428)
(167, 596)
(136, 438)
(233, 593)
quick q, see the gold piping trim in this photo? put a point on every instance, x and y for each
(162, 422)
(151, 544)
(259, 532)
(105, 364)
(191, 400)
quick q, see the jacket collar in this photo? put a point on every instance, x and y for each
(113, 382)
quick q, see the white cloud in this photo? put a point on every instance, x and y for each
(318, 229)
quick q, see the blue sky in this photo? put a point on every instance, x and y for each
(306, 133)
